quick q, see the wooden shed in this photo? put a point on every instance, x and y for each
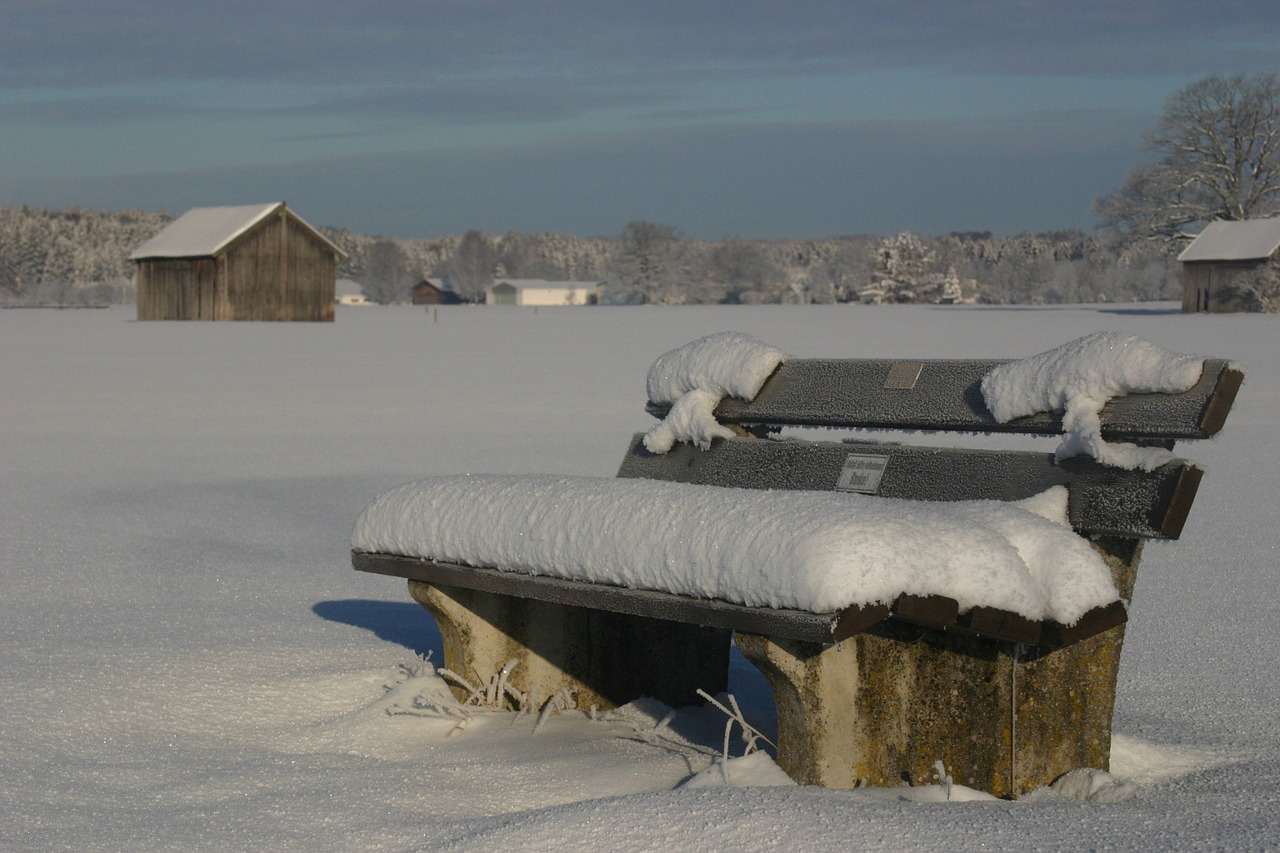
(252, 262)
(1221, 253)
(434, 292)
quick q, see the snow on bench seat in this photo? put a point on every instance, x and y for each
(812, 551)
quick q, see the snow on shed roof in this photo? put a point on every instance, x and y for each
(1246, 240)
(205, 231)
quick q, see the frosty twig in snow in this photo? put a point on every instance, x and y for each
(1078, 378)
(944, 778)
(695, 377)
(561, 701)
(494, 694)
(751, 736)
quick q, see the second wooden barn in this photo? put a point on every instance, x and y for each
(250, 262)
(1224, 256)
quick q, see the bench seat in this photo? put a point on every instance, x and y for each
(835, 562)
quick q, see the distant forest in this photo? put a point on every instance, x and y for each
(78, 256)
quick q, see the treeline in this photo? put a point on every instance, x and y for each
(71, 256)
(654, 264)
(77, 255)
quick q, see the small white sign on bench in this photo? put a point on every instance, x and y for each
(862, 473)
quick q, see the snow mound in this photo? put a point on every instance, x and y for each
(695, 377)
(1086, 785)
(1146, 763)
(757, 770)
(814, 551)
(1078, 378)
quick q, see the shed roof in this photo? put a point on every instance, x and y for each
(205, 231)
(1246, 240)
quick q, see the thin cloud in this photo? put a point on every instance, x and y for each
(751, 117)
(332, 42)
(810, 180)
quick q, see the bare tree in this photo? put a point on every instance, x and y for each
(524, 256)
(10, 277)
(388, 273)
(470, 268)
(651, 262)
(1220, 144)
(742, 272)
(848, 269)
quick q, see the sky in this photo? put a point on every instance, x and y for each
(753, 118)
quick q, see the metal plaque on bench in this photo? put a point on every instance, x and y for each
(862, 473)
(903, 376)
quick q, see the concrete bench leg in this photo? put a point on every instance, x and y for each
(882, 707)
(606, 659)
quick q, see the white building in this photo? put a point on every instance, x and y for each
(536, 291)
(351, 293)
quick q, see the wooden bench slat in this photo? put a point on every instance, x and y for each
(946, 395)
(1221, 399)
(1001, 625)
(927, 611)
(1090, 624)
(1104, 500)
(796, 624)
(936, 612)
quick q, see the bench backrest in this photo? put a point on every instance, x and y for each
(945, 396)
(1116, 508)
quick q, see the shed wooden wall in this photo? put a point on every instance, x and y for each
(176, 288)
(277, 270)
(1203, 281)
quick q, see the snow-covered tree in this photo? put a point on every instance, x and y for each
(1257, 290)
(902, 262)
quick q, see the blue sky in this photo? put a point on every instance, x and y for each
(750, 119)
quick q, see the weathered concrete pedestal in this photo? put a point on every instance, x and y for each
(606, 659)
(880, 708)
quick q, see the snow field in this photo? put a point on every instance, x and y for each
(189, 663)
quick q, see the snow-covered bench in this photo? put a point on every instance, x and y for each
(908, 604)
